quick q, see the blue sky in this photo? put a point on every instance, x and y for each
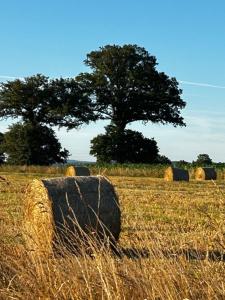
(187, 37)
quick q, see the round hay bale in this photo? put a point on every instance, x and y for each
(77, 171)
(205, 174)
(176, 174)
(88, 204)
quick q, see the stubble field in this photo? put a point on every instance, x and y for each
(172, 246)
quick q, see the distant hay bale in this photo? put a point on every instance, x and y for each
(205, 174)
(175, 174)
(86, 204)
(23, 168)
(77, 171)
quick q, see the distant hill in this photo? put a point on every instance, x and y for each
(78, 162)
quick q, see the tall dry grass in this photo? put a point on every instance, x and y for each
(171, 247)
(140, 274)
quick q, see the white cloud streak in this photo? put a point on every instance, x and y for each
(9, 77)
(180, 81)
(201, 84)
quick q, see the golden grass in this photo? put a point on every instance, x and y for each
(143, 170)
(171, 247)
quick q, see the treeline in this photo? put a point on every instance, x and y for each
(123, 86)
(201, 161)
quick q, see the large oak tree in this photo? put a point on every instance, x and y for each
(126, 87)
(40, 102)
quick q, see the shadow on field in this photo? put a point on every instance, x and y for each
(192, 254)
(189, 254)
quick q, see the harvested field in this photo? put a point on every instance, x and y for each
(171, 246)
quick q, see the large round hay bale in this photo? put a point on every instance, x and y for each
(80, 204)
(205, 174)
(176, 174)
(77, 171)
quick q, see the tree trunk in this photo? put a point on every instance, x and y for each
(120, 126)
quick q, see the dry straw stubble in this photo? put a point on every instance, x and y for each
(176, 174)
(88, 204)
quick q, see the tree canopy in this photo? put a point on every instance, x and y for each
(39, 100)
(123, 147)
(203, 159)
(123, 86)
(126, 87)
(163, 160)
(25, 144)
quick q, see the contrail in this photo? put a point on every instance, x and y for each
(180, 81)
(201, 84)
(10, 77)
